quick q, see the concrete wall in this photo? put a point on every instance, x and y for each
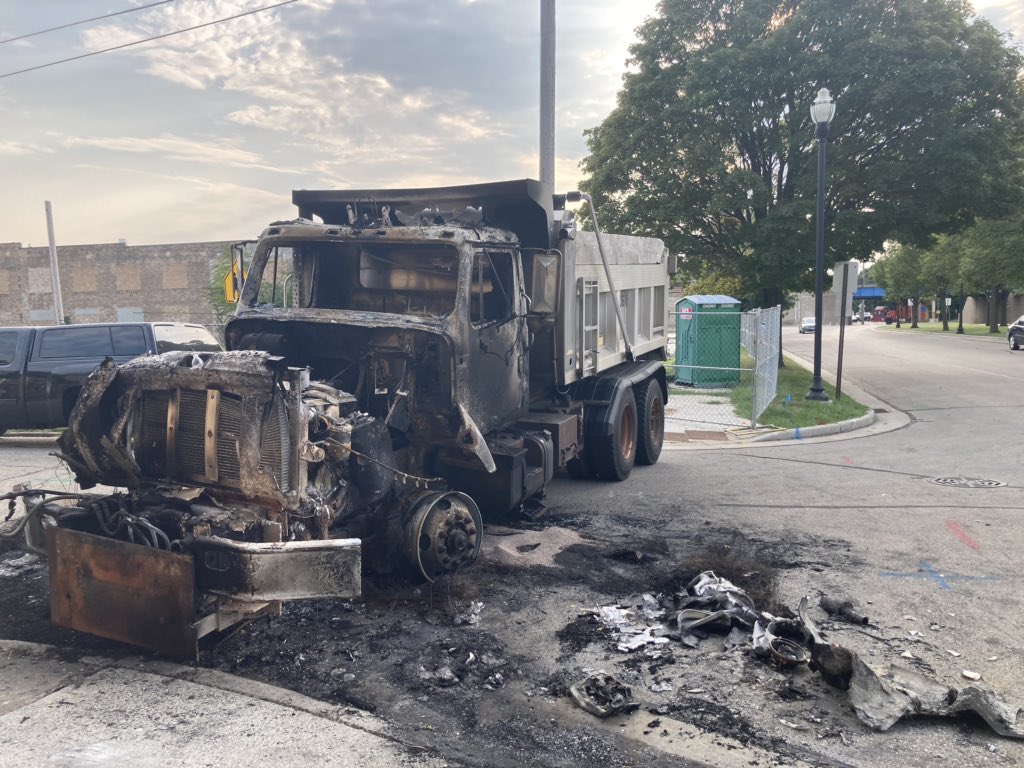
(976, 309)
(108, 282)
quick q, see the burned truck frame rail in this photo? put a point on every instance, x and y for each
(417, 360)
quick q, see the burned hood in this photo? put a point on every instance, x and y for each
(149, 421)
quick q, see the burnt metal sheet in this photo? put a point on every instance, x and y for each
(267, 571)
(121, 591)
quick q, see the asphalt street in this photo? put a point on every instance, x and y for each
(936, 565)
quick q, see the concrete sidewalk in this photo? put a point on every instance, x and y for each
(144, 713)
(881, 417)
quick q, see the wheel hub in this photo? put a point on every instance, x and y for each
(443, 532)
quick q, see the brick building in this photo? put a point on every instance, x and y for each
(110, 281)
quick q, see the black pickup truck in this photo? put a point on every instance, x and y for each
(43, 369)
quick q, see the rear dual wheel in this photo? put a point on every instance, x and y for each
(650, 407)
(636, 437)
(613, 454)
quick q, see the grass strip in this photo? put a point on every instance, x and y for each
(789, 409)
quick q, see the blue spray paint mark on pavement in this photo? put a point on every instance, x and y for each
(928, 571)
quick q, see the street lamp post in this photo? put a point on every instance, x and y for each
(822, 111)
(960, 311)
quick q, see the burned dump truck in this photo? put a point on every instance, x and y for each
(402, 364)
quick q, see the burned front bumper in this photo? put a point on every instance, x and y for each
(165, 601)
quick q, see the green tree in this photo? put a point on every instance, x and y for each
(711, 147)
(899, 272)
(991, 258)
(940, 270)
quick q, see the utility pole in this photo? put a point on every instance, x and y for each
(547, 94)
(58, 302)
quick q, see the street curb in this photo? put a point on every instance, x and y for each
(820, 430)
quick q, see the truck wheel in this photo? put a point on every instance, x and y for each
(650, 408)
(613, 455)
(443, 533)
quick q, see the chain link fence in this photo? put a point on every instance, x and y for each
(709, 366)
(760, 336)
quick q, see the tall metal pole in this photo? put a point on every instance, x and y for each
(547, 93)
(960, 312)
(58, 302)
(842, 331)
(817, 391)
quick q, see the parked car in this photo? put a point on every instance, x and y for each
(807, 325)
(42, 369)
(1015, 333)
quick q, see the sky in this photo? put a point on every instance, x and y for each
(202, 136)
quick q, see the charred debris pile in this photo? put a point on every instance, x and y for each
(710, 609)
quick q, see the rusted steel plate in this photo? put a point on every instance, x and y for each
(121, 591)
(279, 571)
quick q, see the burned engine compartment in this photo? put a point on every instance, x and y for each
(238, 446)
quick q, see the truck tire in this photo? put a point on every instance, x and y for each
(650, 431)
(613, 455)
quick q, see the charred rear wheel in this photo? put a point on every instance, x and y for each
(614, 454)
(443, 532)
(650, 408)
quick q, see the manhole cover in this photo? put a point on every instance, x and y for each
(968, 482)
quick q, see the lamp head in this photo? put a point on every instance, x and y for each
(823, 108)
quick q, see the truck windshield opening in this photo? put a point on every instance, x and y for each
(395, 278)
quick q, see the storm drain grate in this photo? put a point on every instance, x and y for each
(968, 482)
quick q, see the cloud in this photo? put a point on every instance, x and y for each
(342, 93)
(11, 148)
(449, 89)
(214, 152)
(1006, 15)
(148, 207)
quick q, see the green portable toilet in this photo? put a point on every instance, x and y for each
(708, 341)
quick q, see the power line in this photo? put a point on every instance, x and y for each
(148, 39)
(85, 21)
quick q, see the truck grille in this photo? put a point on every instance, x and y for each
(229, 432)
(189, 448)
(188, 464)
(274, 453)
